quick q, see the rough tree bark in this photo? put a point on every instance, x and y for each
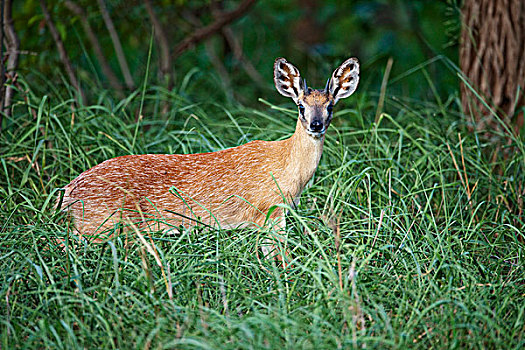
(492, 57)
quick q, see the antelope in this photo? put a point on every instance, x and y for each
(230, 188)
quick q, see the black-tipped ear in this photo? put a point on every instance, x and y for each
(344, 80)
(287, 79)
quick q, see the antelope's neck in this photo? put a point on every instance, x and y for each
(304, 154)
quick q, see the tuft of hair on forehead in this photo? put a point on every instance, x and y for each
(316, 97)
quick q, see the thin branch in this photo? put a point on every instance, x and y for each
(92, 37)
(204, 33)
(61, 50)
(239, 55)
(117, 45)
(219, 67)
(162, 42)
(12, 50)
(2, 62)
(14, 43)
(236, 47)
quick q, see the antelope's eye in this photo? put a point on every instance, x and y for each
(330, 109)
(301, 109)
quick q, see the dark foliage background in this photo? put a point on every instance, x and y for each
(315, 35)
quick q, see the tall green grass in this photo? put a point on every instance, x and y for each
(409, 237)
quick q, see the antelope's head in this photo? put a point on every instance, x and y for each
(316, 106)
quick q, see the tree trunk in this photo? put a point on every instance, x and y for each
(492, 57)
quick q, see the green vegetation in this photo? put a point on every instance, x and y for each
(407, 237)
(410, 236)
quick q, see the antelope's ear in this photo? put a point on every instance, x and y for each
(287, 79)
(344, 80)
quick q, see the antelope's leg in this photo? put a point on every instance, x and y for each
(273, 246)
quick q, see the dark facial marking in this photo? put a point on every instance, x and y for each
(337, 90)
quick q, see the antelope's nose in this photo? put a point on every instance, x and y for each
(316, 125)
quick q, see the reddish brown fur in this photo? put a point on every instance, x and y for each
(317, 98)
